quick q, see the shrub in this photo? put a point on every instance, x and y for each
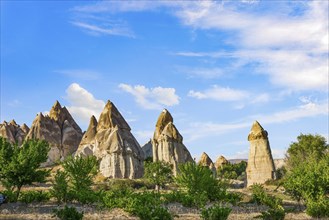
(275, 211)
(10, 195)
(233, 171)
(199, 180)
(216, 212)
(60, 189)
(68, 213)
(318, 208)
(186, 199)
(34, 196)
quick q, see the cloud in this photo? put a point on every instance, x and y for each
(15, 103)
(291, 50)
(79, 74)
(208, 129)
(82, 104)
(143, 136)
(152, 98)
(220, 94)
(99, 30)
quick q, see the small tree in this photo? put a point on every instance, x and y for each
(20, 166)
(60, 189)
(199, 180)
(81, 172)
(158, 173)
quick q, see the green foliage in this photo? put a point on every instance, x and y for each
(145, 205)
(11, 196)
(307, 178)
(307, 146)
(275, 211)
(233, 171)
(318, 208)
(68, 213)
(34, 196)
(158, 173)
(60, 189)
(80, 172)
(186, 199)
(216, 212)
(20, 166)
(199, 180)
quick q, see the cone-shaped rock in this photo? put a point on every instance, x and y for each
(59, 129)
(13, 132)
(111, 141)
(147, 148)
(167, 142)
(220, 162)
(260, 166)
(206, 161)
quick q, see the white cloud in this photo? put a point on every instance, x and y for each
(204, 73)
(262, 98)
(211, 129)
(15, 103)
(82, 104)
(98, 30)
(152, 98)
(220, 94)
(79, 74)
(143, 136)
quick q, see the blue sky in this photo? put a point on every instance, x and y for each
(216, 66)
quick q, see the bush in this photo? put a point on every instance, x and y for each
(216, 212)
(199, 180)
(186, 199)
(68, 213)
(60, 189)
(233, 171)
(275, 211)
(34, 196)
(10, 195)
(158, 173)
(318, 208)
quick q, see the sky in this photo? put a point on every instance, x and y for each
(217, 66)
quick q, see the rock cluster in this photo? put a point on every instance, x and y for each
(260, 166)
(111, 141)
(147, 148)
(167, 142)
(13, 132)
(220, 162)
(206, 161)
(59, 129)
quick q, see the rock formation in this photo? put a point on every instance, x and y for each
(167, 142)
(13, 132)
(111, 141)
(147, 148)
(207, 162)
(220, 162)
(59, 129)
(260, 166)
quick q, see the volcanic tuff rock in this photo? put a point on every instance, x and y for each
(220, 162)
(147, 148)
(167, 142)
(59, 129)
(207, 162)
(13, 132)
(260, 166)
(111, 141)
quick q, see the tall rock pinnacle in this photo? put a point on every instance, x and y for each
(13, 132)
(59, 129)
(111, 141)
(260, 166)
(167, 142)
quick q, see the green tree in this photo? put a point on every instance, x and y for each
(199, 180)
(60, 189)
(307, 175)
(158, 173)
(233, 171)
(81, 172)
(307, 146)
(20, 166)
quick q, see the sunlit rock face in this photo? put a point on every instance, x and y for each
(167, 143)
(206, 161)
(220, 162)
(260, 166)
(59, 129)
(111, 141)
(13, 132)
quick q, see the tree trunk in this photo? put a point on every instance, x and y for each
(17, 192)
